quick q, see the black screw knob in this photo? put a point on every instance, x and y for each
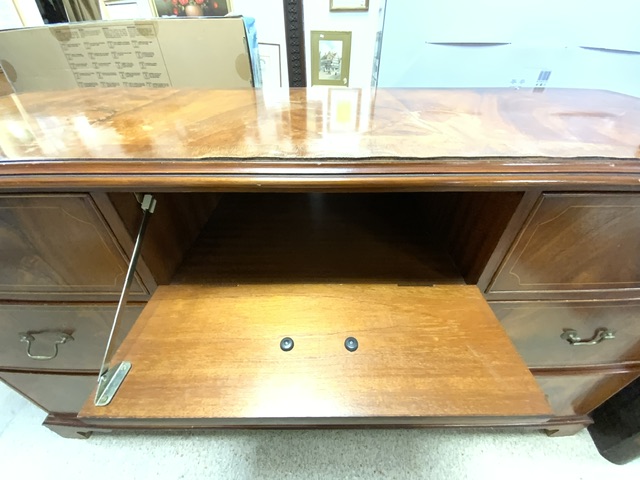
(351, 344)
(286, 344)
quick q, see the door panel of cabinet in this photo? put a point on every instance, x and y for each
(580, 394)
(537, 329)
(58, 337)
(58, 247)
(574, 246)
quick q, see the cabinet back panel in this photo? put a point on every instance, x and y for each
(326, 238)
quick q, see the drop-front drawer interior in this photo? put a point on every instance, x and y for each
(319, 269)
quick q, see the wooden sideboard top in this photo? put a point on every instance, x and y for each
(164, 138)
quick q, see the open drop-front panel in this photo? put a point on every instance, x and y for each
(213, 352)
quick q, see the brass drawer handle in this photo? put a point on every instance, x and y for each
(28, 338)
(599, 335)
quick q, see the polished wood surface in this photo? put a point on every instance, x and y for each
(470, 224)
(59, 247)
(535, 329)
(167, 139)
(89, 325)
(325, 238)
(580, 394)
(574, 246)
(200, 351)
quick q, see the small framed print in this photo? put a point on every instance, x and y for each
(270, 64)
(330, 58)
(349, 5)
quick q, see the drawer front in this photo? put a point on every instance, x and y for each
(64, 337)
(59, 247)
(53, 393)
(536, 329)
(574, 244)
(580, 394)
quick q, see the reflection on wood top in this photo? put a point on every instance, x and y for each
(319, 123)
(318, 139)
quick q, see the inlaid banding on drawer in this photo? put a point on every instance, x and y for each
(565, 333)
(58, 337)
(59, 247)
(574, 246)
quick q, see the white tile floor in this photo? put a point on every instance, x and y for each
(28, 450)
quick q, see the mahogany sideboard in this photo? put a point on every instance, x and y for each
(315, 259)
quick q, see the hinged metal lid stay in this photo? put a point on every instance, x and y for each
(111, 377)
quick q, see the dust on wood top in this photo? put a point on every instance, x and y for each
(206, 352)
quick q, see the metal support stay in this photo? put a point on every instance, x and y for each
(111, 377)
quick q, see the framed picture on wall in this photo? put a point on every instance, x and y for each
(330, 58)
(349, 5)
(270, 64)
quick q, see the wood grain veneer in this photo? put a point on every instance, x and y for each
(308, 238)
(574, 246)
(470, 224)
(210, 352)
(535, 329)
(207, 139)
(173, 228)
(59, 247)
(88, 324)
(52, 392)
(580, 394)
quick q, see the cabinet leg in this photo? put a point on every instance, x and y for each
(66, 427)
(565, 430)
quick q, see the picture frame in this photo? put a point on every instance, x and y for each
(270, 66)
(330, 58)
(349, 5)
(208, 8)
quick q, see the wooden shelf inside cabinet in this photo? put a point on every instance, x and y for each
(213, 353)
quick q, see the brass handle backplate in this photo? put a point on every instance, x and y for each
(600, 334)
(58, 339)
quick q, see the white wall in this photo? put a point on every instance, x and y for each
(29, 13)
(269, 17)
(9, 17)
(363, 25)
(436, 46)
